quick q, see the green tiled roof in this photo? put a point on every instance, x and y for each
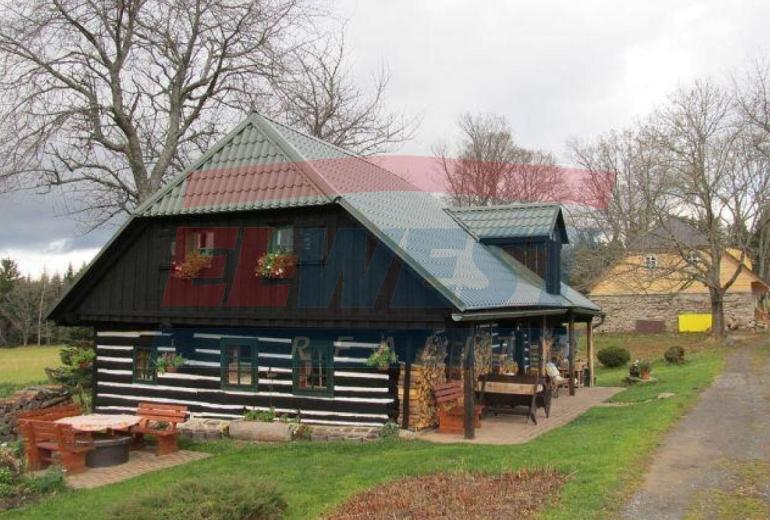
(510, 220)
(265, 164)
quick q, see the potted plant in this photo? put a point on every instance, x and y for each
(169, 362)
(633, 370)
(383, 357)
(260, 425)
(192, 267)
(276, 265)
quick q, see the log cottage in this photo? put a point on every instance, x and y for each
(277, 264)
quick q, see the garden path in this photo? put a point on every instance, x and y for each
(716, 462)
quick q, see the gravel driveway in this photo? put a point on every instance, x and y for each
(716, 462)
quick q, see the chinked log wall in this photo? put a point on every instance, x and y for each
(362, 396)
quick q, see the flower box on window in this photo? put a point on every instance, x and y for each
(276, 266)
(192, 267)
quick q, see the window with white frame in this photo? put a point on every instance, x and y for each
(651, 261)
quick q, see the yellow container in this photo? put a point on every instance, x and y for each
(693, 322)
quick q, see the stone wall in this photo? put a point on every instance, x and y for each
(32, 398)
(624, 310)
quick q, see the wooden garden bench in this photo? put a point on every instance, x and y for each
(160, 421)
(51, 414)
(451, 412)
(46, 442)
(507, 393)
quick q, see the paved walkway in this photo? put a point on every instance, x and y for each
(140, 462)
(716, 461)
(514, 429)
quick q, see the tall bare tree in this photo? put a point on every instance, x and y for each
(624, 184)
(752, 94)
(490, 168)
(110, 99)
(716, 179)
(320, 96)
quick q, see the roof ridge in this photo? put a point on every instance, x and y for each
(335, 147)
(179, 179)
(506, 206)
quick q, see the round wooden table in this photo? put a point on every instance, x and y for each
(109, 450)
(98, 422)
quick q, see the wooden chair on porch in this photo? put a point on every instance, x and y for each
(451, 412)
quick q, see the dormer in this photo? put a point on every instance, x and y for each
(533, 234)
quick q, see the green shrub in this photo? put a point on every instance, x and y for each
(199, 498)
(390, 430)
(674, 355)
(301, 432)
(260, 415)
(612, 357)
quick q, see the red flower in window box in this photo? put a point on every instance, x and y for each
(192, 267)
(276, 266)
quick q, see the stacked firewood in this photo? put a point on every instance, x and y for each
(428, 370)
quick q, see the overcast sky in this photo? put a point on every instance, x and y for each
(554, 69)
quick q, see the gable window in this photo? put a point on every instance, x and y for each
(201, 242)
(651, 261)
(313, 366)
(145, 370)
(693, 258)
(239, 362)
(282, 240)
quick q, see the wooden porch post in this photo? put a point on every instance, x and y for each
(572, 350)
(590, 348)
(543, 361)
(407, 384)
(468, 376)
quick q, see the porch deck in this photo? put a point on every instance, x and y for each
(514, 429)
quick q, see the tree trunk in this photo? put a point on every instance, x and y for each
(717, 313)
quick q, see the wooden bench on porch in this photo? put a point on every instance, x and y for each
(502, 393)
(46, 442)
(451, 412)
(160, 421)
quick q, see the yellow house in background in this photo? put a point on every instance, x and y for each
(649, 289)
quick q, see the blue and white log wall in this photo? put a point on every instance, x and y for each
(362, 395)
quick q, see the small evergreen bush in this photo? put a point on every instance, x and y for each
(390, 430)
(203, 498)
(674, 355)
(612, 357)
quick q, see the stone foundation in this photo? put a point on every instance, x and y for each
(624, 310)
(32, 398)
(198, 429)
(349, 433)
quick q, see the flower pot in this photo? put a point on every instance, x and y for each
(171, 370)
(645, 375)
(260, 431)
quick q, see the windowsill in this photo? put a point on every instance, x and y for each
(305, 391)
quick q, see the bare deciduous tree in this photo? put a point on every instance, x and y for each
(108, 100)
(321, 98)
(752, 93)
(624, 184)
(111, 98)
(490, 168)
(715, 179)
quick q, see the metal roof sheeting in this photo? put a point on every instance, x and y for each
(508, 221)
(264, 164)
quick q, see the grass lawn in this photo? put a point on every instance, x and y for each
(603, 453)
(21, 366)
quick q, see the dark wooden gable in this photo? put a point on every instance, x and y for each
(344, 277)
